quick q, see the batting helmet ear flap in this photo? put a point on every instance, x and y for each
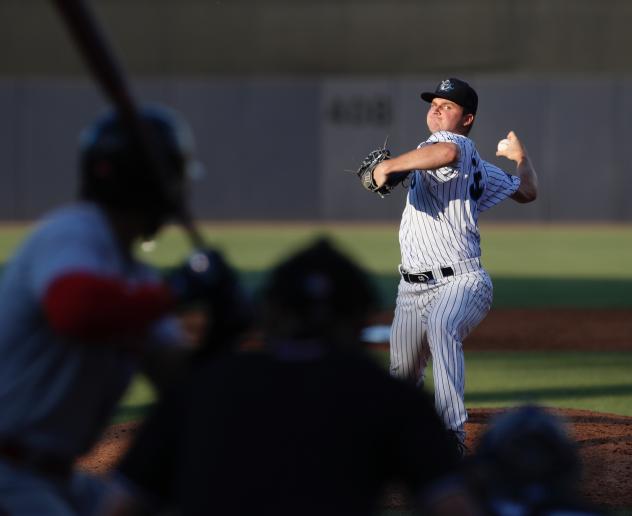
(115, 171)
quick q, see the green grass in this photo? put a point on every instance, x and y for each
(10, 237)
(531, 251)
(138, 399)
(531, 265)
(555, 266)
(569, 251)
(258, 247)
(509, 251)
(598, 381)
(562, 292)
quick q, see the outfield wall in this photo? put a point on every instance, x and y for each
(277, 148)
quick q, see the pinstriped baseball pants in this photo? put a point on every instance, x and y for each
(431, 320)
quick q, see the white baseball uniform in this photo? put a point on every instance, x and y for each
(440, 252)
(58, 393)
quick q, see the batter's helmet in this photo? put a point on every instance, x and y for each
(118, 173)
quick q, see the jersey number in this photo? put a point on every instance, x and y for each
(476, 189)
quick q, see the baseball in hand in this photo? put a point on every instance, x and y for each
(503, 144)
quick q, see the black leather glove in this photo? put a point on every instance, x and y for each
(367, 167)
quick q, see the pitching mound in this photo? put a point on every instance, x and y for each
(605, 442)
(605, 445)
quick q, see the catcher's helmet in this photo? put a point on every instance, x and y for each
(531, 455)
(116, 171)
(316, 290)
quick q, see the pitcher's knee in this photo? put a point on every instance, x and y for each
(407, 374)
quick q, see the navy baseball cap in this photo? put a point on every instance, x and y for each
(456, 90)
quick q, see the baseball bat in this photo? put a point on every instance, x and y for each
(92, 43)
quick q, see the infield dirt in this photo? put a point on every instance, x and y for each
(605, 440)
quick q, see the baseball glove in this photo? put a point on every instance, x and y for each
(367, 167)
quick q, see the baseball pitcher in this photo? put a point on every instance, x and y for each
(444, 292)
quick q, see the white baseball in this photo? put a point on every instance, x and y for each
(503, 144)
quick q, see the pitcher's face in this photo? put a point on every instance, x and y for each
(445, 115)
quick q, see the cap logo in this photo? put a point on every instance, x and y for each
(446, 85)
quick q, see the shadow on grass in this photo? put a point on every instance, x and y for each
(137, 411)
(556, 292)
(512, 292)
(549, 393)
(131, 412)
(517, 292)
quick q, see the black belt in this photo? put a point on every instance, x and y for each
(425, 277)
(41, 462)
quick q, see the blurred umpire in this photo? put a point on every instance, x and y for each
(79, 314)
(307, 425)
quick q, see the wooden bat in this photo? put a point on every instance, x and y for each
(97, 53)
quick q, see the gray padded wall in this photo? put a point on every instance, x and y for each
(277, 148)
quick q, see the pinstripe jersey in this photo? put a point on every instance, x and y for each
(440, 221)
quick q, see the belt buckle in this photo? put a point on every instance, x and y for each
(423, 277)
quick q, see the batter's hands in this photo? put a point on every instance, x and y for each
(202, 276)
(511, 148)
(206, 279)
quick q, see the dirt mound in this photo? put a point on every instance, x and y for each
(519, 329)
(605, 444)
(108, 450)
(605, 447)
(553, 329)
